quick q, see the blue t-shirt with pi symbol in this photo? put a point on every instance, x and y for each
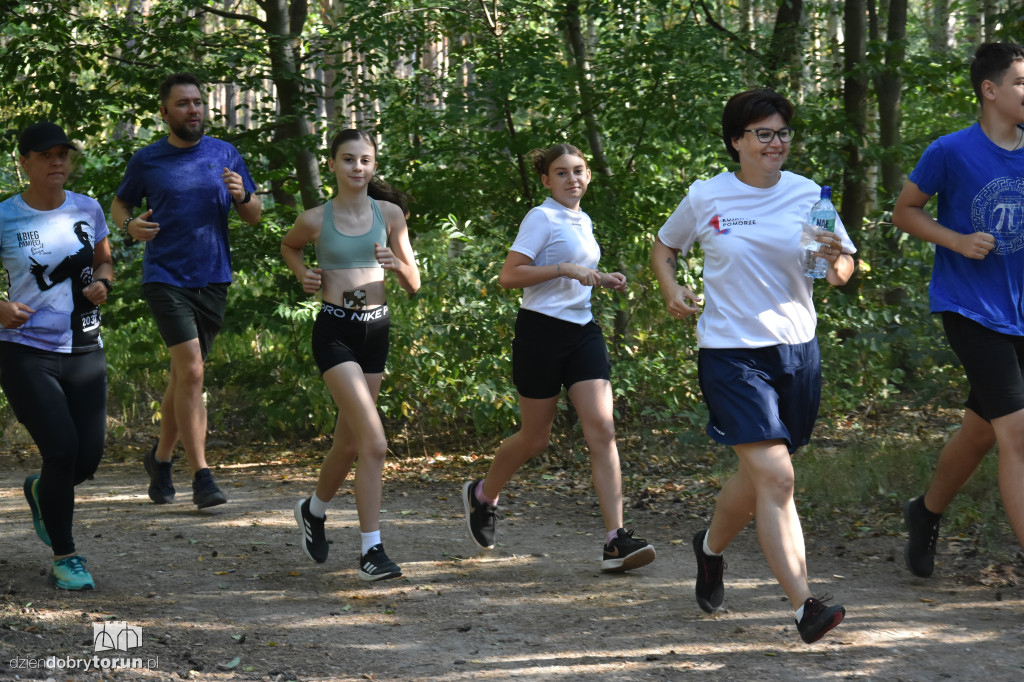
(979, 188)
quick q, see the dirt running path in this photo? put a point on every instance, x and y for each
(228, 594)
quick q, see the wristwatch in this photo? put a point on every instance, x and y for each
(246, 199)
(106, 283)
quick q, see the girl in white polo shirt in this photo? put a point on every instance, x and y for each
(557, 343)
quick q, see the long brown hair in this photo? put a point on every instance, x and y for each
(378, 189)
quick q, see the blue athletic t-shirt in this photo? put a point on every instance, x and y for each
(979, 188)
(191, 203)
(47, 257)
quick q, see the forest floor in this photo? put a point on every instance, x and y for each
(227, 593)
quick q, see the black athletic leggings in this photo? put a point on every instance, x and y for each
(61, 398)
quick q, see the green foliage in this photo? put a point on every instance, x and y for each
(458, 106)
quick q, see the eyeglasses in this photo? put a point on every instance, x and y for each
(766, 135)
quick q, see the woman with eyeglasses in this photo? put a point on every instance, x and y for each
(758, 362)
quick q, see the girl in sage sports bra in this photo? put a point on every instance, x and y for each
(358, 235)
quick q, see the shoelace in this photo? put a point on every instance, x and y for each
(74, 564)
(630, 534)
(817, 605)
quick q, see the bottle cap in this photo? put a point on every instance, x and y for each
(826, 192)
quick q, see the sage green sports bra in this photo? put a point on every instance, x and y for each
(337, 251)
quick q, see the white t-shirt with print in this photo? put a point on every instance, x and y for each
(755, 293)
(550, 234)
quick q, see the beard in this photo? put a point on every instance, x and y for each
(190, 134)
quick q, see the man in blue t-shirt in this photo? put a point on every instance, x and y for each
(977, 284)
(189, 183)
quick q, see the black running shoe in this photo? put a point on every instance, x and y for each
(314, 541)
(710, 588)
(626, 552)
(375, 565)
(923, 533)
(161, 490)
(479, 516)
(205, 492)
(819, 619)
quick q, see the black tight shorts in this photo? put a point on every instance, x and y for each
(348, 335)
(548, 353)
(994, 363)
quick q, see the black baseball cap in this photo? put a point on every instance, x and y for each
(41, 136)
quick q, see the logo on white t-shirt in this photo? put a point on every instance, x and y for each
(722, 225)
(716, 225)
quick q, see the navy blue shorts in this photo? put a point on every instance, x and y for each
(758, 394)
(548, 353)
(350, 335)
(994, 363)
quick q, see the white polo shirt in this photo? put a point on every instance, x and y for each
(550, 234)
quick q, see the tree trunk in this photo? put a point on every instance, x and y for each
(284, 28)
(855, 91)
(784, 64)
(888, 86)
(574, 34)
(942, 26)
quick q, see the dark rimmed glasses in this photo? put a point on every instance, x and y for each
(766, 135)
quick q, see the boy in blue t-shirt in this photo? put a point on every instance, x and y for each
(977, 284)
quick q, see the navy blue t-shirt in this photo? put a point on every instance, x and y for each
(191, 203)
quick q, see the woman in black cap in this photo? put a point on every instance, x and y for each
(53, 245)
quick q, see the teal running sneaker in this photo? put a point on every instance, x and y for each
(32, 495)
(70, 574)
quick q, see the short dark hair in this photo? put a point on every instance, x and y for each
(541, 159)
(748, 106)
(991, 60)
(177, 79)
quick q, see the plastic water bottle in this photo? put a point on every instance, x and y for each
(823, 217)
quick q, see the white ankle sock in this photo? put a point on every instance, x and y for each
(708, 551)
(370, 540)
(317, 507)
